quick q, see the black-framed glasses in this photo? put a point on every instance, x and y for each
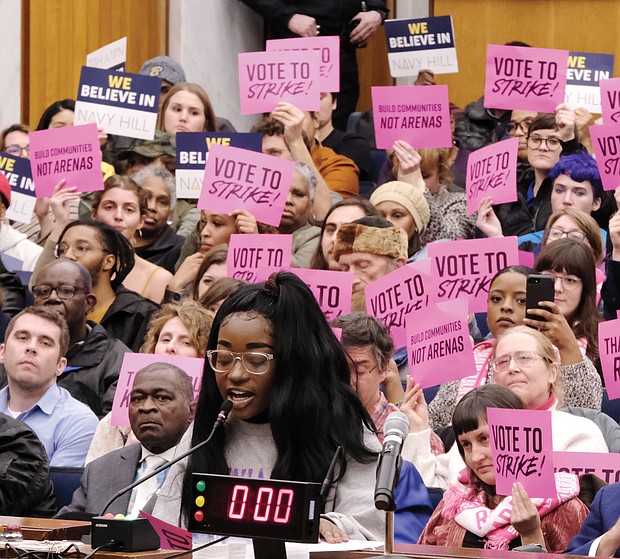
(523, 359)
(552, 144)
(555, 233)
(355, 372)
(64, 291)
(16, 150)
(254, 362)
(523, 125)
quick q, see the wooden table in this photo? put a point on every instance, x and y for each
(48, 528)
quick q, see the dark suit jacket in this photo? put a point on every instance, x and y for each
(102, 478)
(603, 515)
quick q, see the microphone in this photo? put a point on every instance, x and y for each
(329, 477)
(222, 416)
(395, 429)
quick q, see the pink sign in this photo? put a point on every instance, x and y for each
(332, 290)
(266, 78)
(239, 179)
(606, 143)
(466, 268)
(395, 296)
(418, 114)
(610, 100)
(492, 171)
(328, 48)
(170, 536)
(609, 350)
(71, 153)
(438, 346)
(605, 465)
(522, 448)
(134, 362)
(526, 258)
(254, 257)
(525, 78)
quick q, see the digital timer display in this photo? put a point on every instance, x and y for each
(260, 508)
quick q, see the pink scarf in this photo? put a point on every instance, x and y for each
(467, 507)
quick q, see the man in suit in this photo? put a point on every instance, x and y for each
(161, 408)
(600, 534)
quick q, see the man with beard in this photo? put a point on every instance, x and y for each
(161, 408)
(370, 248)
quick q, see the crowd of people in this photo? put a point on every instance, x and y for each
(134, 268)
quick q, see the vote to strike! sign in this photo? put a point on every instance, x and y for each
(421, 44)
(254, 257)
(134, 362)
(523, 78)
(609, 349)
(71, 153)
(610, 100)
(332, 290)
(522, 449)
(328, 49)
(605, 465)
(121, 103)
(238, 179)
(266, 78)
(419, 115)
(606, 143)
(466, 268)
(492, 171)
(585, 71)
(438, 345)
(18, 173)
(395, 296)
(193, 152)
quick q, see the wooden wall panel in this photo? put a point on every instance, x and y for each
(58, 34)
(576, 25)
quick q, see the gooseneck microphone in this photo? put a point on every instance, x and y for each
(395, 429)
(221, 418)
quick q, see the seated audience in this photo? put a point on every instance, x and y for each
(161, 408)
(212, 269)
(36, 341)
(611, 288)
(218, 292)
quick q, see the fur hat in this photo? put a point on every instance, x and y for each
(5, 191)
(358, 237)
(408, 196)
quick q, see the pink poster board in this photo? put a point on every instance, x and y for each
(606, 143)
(526, 258)
(328, 49)
(522, 449)
(266, 78)
(610, 100)
(492, 171)
(240, 179)
(254, 257)
(170, 536)
(134, 362)
(417, 114)
(609, 350)
(466, 268)
(71, 153)
(438, 346)
(332, 290)
(395, 296)
(605, 465)
(524, 78)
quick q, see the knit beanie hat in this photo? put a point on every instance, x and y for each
(5, 191)
(358, 237)
(408, 196)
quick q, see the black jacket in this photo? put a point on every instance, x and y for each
(25, 486)
(476, 127)
(164, 251)
(128, 317)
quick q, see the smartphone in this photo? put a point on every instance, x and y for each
(539, 288)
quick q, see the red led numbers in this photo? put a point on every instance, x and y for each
(262, 508)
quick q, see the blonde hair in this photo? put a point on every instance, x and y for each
(586, 223)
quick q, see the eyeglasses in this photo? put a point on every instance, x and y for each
(523, 359)
(64, 291)
(355, 372)
(570, 283)
(16, 150)
(523, 125)
(223, 361)
(555, 233)
(552, 144)
(78, 250)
